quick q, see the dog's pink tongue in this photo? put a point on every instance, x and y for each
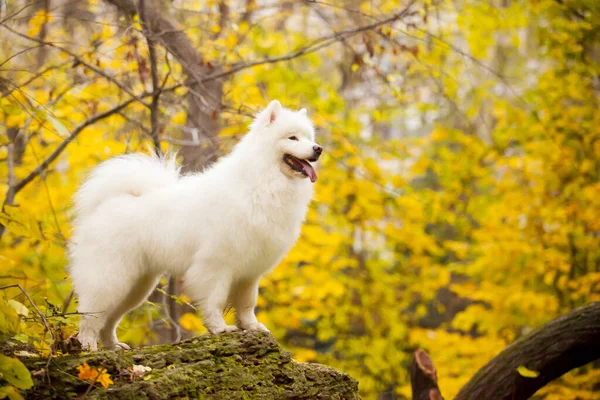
(310, 171)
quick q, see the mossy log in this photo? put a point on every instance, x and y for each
(238, 365)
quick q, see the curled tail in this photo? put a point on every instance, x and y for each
(132, 174)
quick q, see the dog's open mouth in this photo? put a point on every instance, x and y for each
(300, 166)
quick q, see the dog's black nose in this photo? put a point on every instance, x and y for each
(318, 149)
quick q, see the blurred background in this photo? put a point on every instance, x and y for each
(457, 206)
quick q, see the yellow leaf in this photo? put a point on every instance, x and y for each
(11, 392)
(179, 118)
(526, 372)
(305, 355)
(87, 372)
(21, 222)
(104, 378)
(191, 322)
(243, 27)
(231, 40)
(249, 79)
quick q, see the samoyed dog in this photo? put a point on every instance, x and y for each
(137, 218)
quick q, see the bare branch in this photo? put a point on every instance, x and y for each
(8, 90)
(10, 195)
(173, 39)
(82, 62)
(11, 16)
(250, 7)
(313, 47)
(61, 147)
(16, 148)
(18, 53)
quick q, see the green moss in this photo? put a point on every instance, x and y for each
(238, 365)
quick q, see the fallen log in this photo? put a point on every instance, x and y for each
(230, 366)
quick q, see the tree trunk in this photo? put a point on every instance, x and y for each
(204, 99)
(423, 378)
(236, 365)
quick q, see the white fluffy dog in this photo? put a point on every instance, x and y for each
(221, 229)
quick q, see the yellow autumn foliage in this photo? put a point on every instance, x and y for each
(458, 200)
(94, 375)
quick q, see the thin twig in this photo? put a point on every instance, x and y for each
(18, 53)
(168, 303)
(129, 8)
(8, 17)
(313, 47)
(82, 62)
(14, 87)
(67, 302)
(92, 384)
(61, 147)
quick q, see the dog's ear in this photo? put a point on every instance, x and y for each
(272, 111)
(302, 111)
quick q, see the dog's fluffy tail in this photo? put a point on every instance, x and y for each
(131, 174)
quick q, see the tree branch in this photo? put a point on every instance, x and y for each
(565, 343)
(204, 100)
(80, 61)
(6, 91)
(162, 30)
(313, 47)
(61, 147)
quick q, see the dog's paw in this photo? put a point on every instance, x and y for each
(88, 343)
(224, 329)
(255, 326)
(122, 346)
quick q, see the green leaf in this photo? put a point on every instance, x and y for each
(526, 372)
(13, 371)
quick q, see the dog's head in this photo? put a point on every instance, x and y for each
(292, 135)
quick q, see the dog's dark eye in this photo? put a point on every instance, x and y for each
(293, 138)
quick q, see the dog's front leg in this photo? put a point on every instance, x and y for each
(244, 298)
(209, 288)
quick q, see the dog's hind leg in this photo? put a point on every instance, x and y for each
(105, 294)
(135, 297)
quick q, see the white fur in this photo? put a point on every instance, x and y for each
(222, 229)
